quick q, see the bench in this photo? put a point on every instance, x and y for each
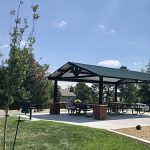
(86, 112)
(71, 110)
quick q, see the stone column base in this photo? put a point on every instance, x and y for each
(100, 112)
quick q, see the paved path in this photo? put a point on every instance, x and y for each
(113, 122)
(11, 112)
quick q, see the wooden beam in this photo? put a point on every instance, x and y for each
(77, 77)
(78, 80)
(76, 70)
(64, 71)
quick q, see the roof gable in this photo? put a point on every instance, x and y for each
(115, 73)
(91, 73)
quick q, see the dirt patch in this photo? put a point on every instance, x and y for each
(144, 133)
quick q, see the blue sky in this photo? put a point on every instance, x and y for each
(104, 32)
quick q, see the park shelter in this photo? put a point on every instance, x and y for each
(77, 72)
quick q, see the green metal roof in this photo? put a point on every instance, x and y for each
(91, 73)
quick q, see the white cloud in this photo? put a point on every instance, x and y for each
(60, 24)
(113, 31)
(22, 43)
(4, 46)
(110, 63)
(101, 26)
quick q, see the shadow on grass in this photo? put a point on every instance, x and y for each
(21, 120)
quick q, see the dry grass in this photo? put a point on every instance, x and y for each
(144, 133)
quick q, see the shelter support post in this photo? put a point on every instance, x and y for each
(115, 92)
(55, 106)
(100, 90)
(100, 111)
(55, 91)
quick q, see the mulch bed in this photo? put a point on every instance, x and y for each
(144, 133)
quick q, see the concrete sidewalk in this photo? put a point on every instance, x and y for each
(113, 122)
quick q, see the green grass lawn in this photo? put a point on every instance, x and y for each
(44, 135)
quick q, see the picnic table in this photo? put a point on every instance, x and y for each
(121, 108)
(76, 109)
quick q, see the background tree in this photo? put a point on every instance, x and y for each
(128, 93)
(52, 93)
(144, 93)
(108, 91)
(144, 89)
(83, 92)
(95, 92)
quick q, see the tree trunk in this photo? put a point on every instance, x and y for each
(16, 133)
(5, 128)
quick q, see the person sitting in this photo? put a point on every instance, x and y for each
(86, 108)
(70, 106)
(77, 103)
(84, 105)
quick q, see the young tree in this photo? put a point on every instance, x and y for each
(24, 77)
(16, 67)
(14, 71)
